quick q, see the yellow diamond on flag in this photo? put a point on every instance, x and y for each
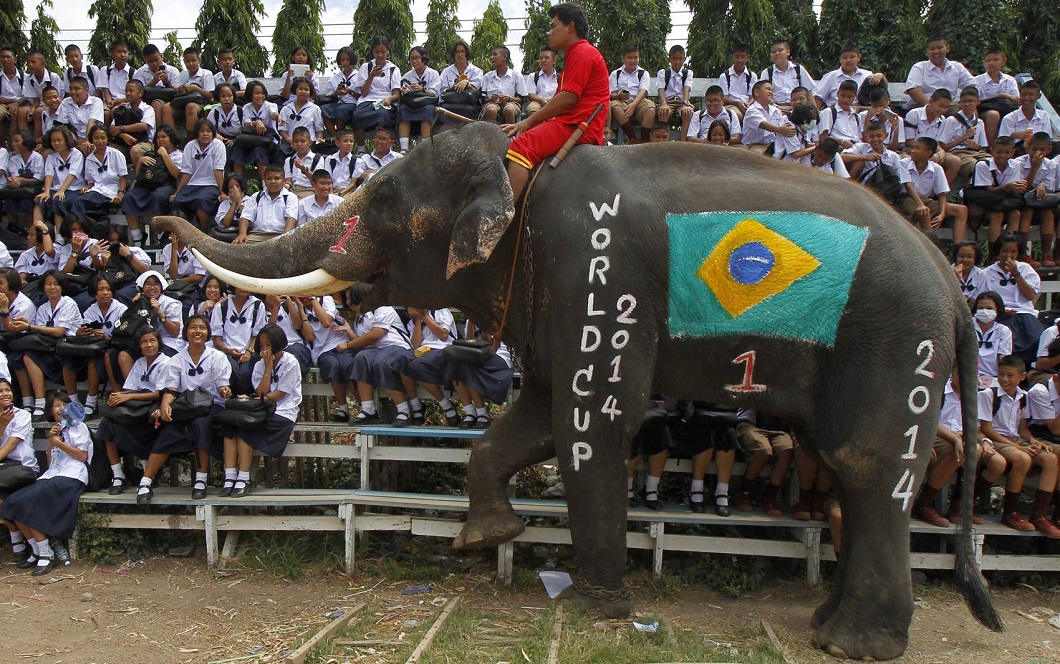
(751, 264)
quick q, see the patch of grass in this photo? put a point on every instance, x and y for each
(99, 543)
(289, 555)
(478, 635)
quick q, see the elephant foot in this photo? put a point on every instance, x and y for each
(824, 612)
(484, 530)
(850, 639)
(611, 608)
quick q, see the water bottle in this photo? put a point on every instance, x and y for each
(62, 556)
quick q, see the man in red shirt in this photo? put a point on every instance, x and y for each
(582, 86)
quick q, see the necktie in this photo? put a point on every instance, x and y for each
(238, 318)
(37, 261)
(985, 341)
(200, 155)
(103, 166)
(63, 166)
(1008, 280)
(182, 257)
(195, 370)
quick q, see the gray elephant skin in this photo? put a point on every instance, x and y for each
(698, 272)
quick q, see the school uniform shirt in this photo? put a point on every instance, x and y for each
(287, 378)
(295, 175)
(22, 306)
(35, 261)
(143, 378)
(105, 176)
(88, 72)
(148, 117)
(1048, 172)
(237, 326)
(841, 124)
(835, 167)
(988, 89)
(450, 76)
(64, 314)
(918, 125)
(388, 319)
(283, 320)
(84, 259)
(950, 415)
(889, 157)
(737, 86)
(324, 338)
(988, 174)
(1049, 335)
(786, 81)
(291, 97)
(78, 117)
(211, 372)
(187, 264)
(932, 182)
(701, 121)
(200, 77)
(381, 86)
(222, 211)
(863, 119)
(1017, 120)
(541, 84)
(267, 214)
(994, 342)
(827, 88)
(25, 167)
(1043, 402)
(21, 427)
(1009, 413)
(972, 285)
(755, 115)
(11, 87)
(118, 79)
(33, 86)
(783, 146)
(505, 354)
(953, 76)
(61, 464)
(174, 311)
(370, 162)
(145, 75)
(308, 116)
(509, 84)
(341, 169)
(431, 80)
(59, 168)
(237, 79)
(5, 257)
(444, 319)
(956, 126)
(264, 114)
(341, 80)
(201, 163)
(632, 82)
(109, 319)
(49, 119)
(678, 81)
(996, 280)
(309, 209)
(228, 123)
(3, 167)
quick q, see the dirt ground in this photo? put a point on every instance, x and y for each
(172, 610)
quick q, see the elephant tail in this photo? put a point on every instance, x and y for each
(969, 579)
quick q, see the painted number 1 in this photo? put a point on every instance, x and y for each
(350, 224)
(748, 385)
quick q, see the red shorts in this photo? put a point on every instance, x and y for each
(541, 142)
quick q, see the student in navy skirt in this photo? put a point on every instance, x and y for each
(431, 331)
(48, 507)
(419, 79)
(377, 86)
(380, 363)
(98, 321)
(105, 172)
(198, 365)
(261, 115)
(202, 175)
(145, 383)
(278, 379)
(62, 176)
(25, 174)
(338, 113)
(476, 383)
(18, 463)
(289, 313)
(144, 200)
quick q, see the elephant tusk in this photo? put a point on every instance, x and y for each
(317, 282)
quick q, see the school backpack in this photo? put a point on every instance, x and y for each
(99, 472)
(640, 75)
(684, 78)
(138, 317)
(90, 74)
(253, 310)
(996, 403)
(885, 181)
(866, 89)
(798, 74)
(155, 175)
(290, 166)
(835, 116)
(747, 76)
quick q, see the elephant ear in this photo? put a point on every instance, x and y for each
(482, 223)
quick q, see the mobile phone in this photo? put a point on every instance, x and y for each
(94, 325)
(40, 236)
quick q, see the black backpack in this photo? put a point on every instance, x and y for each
(138, 317)
(154, 176)
(99, 472)
(885, 181)
(866, 89)
(684, 78)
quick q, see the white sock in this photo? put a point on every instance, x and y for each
(18, 542)
(33, 546)
(721, 494)
(446, 405)
(243, 476)
(344, 409)
(415, 405)
(91, 400)
(482, 412)
(143, 464)
(697, 485)
(651, 484)
(403, 407)
(230, 474)
(368, 407)
(145, 485)
(27, 403)
(45, 551)
(629, 484)
(469, 410)
(200, 477)
(404, 143)
(74, 399)
(116, 468)
(135, 235)
(38, 404)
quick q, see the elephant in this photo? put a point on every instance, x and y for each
(700, 272)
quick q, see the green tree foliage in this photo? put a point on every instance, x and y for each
(389, 18)
(797, 23)
(491, 31)
(1039, 25)
(708, 46)
(891, 35)
(442, 27)
(127, 20)
(221, 24)
(172, 52)
(42, 37)
(753, 22)
(972, 26)
(298, 23)
(615, 25)
(12, 23)
(535, 38)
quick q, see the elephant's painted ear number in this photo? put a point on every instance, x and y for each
(748, 386)
(350, 224)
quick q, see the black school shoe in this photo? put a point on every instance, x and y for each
(41, 570)
(722, 510)
(653, 504)
(364, 418)
(417, 417)
(697, 507)
(402, 420)
(26, 562)
(241, 489)
(144, 498)
(451, 420)
(196, 492)
(340, 416)
(117, 486)
(468, 422)
(226, 488)
(482, 422)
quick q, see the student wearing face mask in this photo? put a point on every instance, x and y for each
(995, 340)
(800, 146)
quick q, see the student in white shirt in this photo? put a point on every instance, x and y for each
(462, 74)
(302, 113)
(432, 329)
(762, 119)
(228, 118)
(194, 87)
(17, 441)
(964, 133)
(37, 79)
(62, 176)
(24, 172)
(118, 74)
(134, 126)
(106, 173)
(48, 507)
(675, 85)
(77, 67)
(864, 159)
(504, 88)
(11, 82)
(341, 164)
(1041, 176)
(800, 147)
(826, 158)
(713, 109)
(262, 116)
(541, 85)
(299, 167)
(384, 355)
(841, 120)
(299, 56)
(143, 201)
(81, 111)
(292, 318)
(1028, 119)
(931, 185)
(995, 340)
(936, 72)
(322, 201)
(784, 74)
(277, 379)
(226, 60)
(339, 112)
(849, 58)
(98, 322)
(368, 164)
(159, 79)
(378, 85)
(268, 213)
(418, 81)
(995, 188)
(1018, 284)
(630, 98)
(880, 110)
(998, 91)
(202, 171)
(233, 325)
(737, 81)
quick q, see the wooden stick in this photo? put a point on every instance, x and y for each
(781, 650)
(332, 628)
(575, 135)
(428, 638)
(440, 112)
(557, 632)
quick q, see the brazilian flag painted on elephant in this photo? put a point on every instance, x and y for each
(772, 274)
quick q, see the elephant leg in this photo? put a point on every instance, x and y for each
(518, 440)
